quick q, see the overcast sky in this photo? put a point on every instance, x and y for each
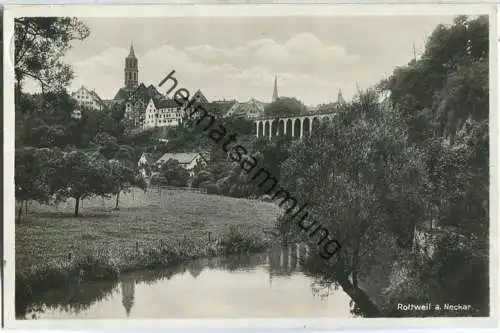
(238, 57)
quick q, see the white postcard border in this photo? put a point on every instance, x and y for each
(12, 11)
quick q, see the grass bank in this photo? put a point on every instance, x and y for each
(54, 249)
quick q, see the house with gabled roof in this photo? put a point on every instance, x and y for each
(88, 99)
(187, 160)
(162, 112)
(251, 109)
(136, 102)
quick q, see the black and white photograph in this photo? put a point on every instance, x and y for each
(217, 166)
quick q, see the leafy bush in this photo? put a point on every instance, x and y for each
(236, 242)
(175, 183)
(212, 189)
(158, 181)
(95, 266)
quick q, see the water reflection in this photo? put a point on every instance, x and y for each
(259, 285)
(128, 290)
(73, 299)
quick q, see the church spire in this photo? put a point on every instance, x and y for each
(340, 98)
(131, 70)
(131, 53)
(275, 91)
(358, 88)
(128, 294)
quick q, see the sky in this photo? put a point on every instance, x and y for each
(238, 58)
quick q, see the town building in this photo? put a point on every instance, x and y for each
(187, 160)
(251, 109)
(149, 164)
(145, 106)
(137, 101)
(162, 112)
(88, 99)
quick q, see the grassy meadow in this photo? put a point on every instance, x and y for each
(144, 220)
(54, 249)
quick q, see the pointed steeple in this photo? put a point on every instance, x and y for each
(131, 53)
(340, 98)
(275, 91)
(128, 293)
(131, 70)
(358, 88)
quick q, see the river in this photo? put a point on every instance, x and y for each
(261, 285)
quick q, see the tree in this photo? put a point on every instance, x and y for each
(35, 173)
(240, 125)
(158, 180)
(108, 144)
(284, 107)
(328, 107)
(435, 92)
(362, 184)
(95, 122)
(118, 111)
(443, 98)
(123, 178)
(40, 43)
(126, 154)
(175, 173)
(83, 176)
(465, 95)
(274, 153)
(203, 176)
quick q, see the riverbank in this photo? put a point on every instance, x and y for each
(55, 249)
(267, 284)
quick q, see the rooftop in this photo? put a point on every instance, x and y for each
(183, 158)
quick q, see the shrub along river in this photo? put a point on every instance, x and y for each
(270, 284)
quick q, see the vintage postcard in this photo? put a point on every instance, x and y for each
(250, 166)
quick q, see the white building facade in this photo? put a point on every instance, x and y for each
(162, 113)
(88, 98)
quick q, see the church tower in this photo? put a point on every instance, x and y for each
(131, 70)
(128, 291)
(275, 91)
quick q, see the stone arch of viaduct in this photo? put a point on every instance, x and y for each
(295, 127)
